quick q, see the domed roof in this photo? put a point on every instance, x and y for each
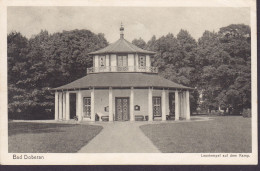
(121, 46)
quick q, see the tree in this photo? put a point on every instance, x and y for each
(151, 43)
(224, 59)
(175, 59)
(44, 62)
(139, 43)
(219, 65)
(67, 55)
(17, 70)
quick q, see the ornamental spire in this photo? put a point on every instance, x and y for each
(121, 31)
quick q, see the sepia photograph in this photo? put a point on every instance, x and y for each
(131, 80)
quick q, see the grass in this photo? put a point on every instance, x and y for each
(225, 134)
(48, 137)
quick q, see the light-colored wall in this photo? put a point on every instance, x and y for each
(96, 60)
(131, 61)
(101, 100)
(113, 60)
(167, 103)
(148, 61)
(85, 93)
(140, 99)
(136, 60)
(157, 92)
(107, 60)
(181, 103)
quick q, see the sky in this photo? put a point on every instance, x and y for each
(138, 22)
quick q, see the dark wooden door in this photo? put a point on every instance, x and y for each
(122, 109)
(72, 105)
(157, 110)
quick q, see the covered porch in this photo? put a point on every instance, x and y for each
(123, 104)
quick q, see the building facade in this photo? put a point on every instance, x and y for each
(122, 86)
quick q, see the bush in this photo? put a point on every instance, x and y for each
(217, 112)
(247, 113)
(34, 113)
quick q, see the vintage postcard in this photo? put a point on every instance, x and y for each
(133, 82)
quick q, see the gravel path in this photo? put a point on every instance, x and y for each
(120, 137)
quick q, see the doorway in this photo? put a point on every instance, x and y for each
(72, 105)
(172, 104)
(122, 109)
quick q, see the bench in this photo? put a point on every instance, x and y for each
(139, 117)
(170, 117)
(105, 118)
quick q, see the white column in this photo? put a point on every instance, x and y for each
(96, 58)
(180, 105)
(148, 62)
(177, 110)
(188, 105)
(92, 105)
(132, 104)
(131, 62)
(150, 104)
(79, 105)
(110, 99)
(163, 105)
(67, 105)
(56, 106)
(184, 104)
(63, 106)
(60, 105)
(167, 103)
(107, 60)
(136, 62)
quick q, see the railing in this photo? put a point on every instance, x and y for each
(122, 69)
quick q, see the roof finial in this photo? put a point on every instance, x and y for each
(122, 31)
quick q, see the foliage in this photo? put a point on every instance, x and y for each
(247, 113)
(43, 62)
(175, 59)
(218, 64)
(17, 71)
(224, 61)
(139, 43)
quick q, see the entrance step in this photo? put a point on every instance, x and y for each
(157, 118)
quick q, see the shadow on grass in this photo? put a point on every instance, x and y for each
(27, 137)
(15, 128)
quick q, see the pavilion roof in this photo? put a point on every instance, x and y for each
(121, 46)
(122, 80)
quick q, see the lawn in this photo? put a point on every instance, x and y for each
(225, 134)
(25, 137)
